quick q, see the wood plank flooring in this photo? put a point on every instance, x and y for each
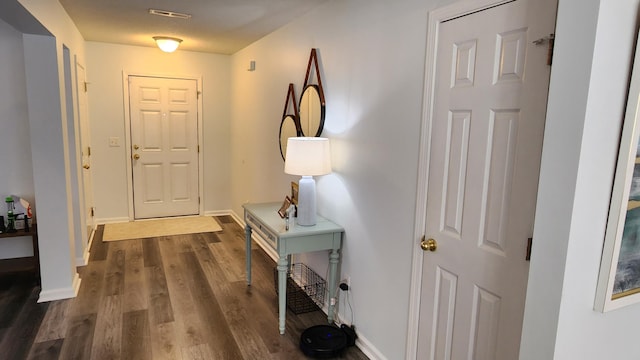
(174, 297)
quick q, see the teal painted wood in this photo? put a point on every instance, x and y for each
(325, 235)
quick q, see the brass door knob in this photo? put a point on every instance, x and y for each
(136, 147)
(136, 156)
(428, 245)
(86, 166)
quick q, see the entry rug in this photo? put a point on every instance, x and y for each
(159, 227)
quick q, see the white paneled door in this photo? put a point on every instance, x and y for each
(164, 146)
(490, 94)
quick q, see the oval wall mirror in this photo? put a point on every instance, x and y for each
(290, 123)
(312, 105)
(312, 110)
(288, 129)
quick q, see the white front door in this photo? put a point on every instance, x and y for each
(490, 93)
(164, 141)
(85, 143)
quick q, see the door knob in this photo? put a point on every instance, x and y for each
(136, 147)
(428, 245)
(136, 156)
(86, 166)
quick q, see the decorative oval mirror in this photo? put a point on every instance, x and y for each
(312, 110)
(288, 129)
(309, 121)
(290, 124)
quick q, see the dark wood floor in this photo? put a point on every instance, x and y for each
(175, 297)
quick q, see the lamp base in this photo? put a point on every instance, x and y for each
(306, 201)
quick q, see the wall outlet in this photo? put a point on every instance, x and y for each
(114, 141)
(346, 280)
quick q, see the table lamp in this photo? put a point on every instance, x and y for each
(307, 157)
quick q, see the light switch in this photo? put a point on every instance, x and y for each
(114, 141)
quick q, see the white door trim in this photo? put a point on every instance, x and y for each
(435, 18)
(127, 130)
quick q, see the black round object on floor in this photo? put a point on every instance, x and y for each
(323, 341)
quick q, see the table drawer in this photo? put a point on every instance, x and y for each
(260, 228)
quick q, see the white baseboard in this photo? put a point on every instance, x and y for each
(89, 243)
(257, 238)
(368, 349)
(264, 245)
(84, 260)
(103, 221)
(111, 220)
(218, 213)
(361, 342)
(238, 219)
(62, 293)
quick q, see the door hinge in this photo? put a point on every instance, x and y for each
(93, 211)
(198, 93)
(198, 149)
(85, 86)
(550, 40)
(528, 255)
(198, 200)
(88, 150)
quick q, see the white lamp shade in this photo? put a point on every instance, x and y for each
(308, 156)
(166, 43)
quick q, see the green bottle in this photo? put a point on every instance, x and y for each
(11, 220)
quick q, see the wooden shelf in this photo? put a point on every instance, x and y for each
(32, 231)
(25, 263)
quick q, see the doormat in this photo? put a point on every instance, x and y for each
(159, 227)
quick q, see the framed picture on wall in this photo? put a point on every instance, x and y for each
(619, 278)
(285, 206)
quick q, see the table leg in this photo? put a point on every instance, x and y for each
(247, 232)
(334, 257)
(283, 266)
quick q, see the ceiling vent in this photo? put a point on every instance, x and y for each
(170, 14)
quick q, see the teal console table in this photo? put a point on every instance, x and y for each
(324, 235)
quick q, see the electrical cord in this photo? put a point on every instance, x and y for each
(345, 288)
(353, 314)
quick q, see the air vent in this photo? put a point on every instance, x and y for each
(170, 14)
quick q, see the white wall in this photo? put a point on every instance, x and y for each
(16, 174)
(50, 169)
(47, 114)
(105, 66)
(372, 55)
(372, 58)
(595, 43)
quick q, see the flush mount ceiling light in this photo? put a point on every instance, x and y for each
(166, 43)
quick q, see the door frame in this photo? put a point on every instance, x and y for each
(127, 131)
(435, 19)
(84, 135)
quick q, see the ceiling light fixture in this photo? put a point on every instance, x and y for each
(167, 44)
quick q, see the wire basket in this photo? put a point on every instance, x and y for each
(305, 288)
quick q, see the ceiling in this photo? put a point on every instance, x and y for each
(215, 26)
